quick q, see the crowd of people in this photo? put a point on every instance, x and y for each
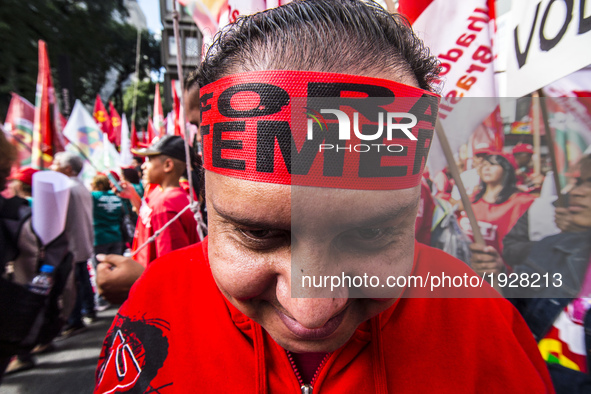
(98, 222)
(219, 313)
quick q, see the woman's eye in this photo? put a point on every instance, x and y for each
(369, 233)
(257, 234)
(368, 239)
(263, 239)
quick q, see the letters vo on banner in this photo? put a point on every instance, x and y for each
(548, 40)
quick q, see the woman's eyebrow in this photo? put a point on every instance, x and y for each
(385, 215)
(378, 217)
(272, 223)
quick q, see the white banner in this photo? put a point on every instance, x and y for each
(51, 193)
(459, 34)
(549, 39)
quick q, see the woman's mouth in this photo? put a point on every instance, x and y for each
(312, 333)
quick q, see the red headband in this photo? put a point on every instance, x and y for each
(317, 129)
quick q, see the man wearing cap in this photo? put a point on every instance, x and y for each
(163, 168)
(233, 314)
(526, 180)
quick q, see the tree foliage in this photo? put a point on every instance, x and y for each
(91, 35)
(144, 102)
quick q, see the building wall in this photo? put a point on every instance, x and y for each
(190, 38)
(136, 15)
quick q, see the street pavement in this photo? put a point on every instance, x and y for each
(69, 369)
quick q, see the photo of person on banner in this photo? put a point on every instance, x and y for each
(317, 119)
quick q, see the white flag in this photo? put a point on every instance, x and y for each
(459, 33)
(125, 157)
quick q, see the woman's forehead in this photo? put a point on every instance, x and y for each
(286, 206)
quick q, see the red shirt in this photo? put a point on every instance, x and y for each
(158, 207)
(191, 339)
(496, 220)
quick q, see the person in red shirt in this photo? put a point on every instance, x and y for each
(497, 207)
(233, 314)
(164, 166)
(527, 181)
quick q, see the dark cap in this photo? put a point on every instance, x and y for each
(169, 145)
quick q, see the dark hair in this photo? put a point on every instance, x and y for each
(26, 188)
(197, 174)
(191, 81)
(101, 182)
(509, 179)
(304, 35)
(131, 175)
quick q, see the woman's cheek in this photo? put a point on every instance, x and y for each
(240, 273)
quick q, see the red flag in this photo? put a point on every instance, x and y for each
(151, 135)
(47, 136)
(115, 125)
(176, 108)
(134, 140)
(19, 123)
(494, 125)
(158, 124)
(101, 117)
(489, 132)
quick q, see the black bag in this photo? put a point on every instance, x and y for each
(21, 317)
(26, 318)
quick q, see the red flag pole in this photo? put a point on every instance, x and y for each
(42, 148)
(134, 139)
(176, 108)
(551, 149)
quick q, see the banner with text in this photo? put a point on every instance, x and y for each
(549, 40)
